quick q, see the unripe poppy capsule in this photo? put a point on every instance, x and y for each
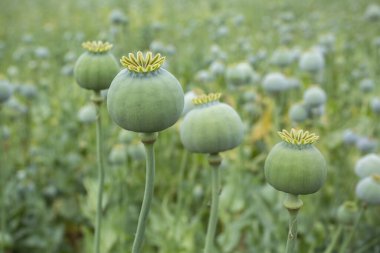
(144, 97)
(95, 69)
(211, 127)
(294, 165)
(368, 189)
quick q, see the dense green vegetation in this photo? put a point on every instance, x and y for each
(48, 164)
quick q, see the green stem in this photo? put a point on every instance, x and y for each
(214, 161)
(180, 179)
(148, 140)
(334, 240)
(99, 154)
(293, 204)
(349, 238)
(2, 192)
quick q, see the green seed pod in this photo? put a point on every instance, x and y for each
(145, 97)
(136, 151)
(298, 113)
(295, 166)
(312, 61)
(314, 97)
(368, 189)
(87, 114)
(367, 165)
(5, 91)
(211, 127)
(346, 213)
(95, 69)
(126, 137)
(118, 154)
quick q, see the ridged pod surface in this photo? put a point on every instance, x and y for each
(95, 69)
(211, 127)
(144, 97)
(295, 166)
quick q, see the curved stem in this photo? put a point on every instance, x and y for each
(293, 204)
(99, 154)
(214, 161)
(148, 140)
(349, 238)
(334, 240)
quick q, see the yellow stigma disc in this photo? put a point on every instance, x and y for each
(141, 64)
(298, 137)
(97, 46)
(204, 99)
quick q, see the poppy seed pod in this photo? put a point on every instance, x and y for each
(294, 165)
(5, 91)
(368, 189)
(144, 97)
(87, 114)
(312, 61)
(346, 213)
(375, 105)
(298, 113)
(367, 165)
(240, 74)
(314, 97)
(275, 83)
(211, 127)
(95, 69)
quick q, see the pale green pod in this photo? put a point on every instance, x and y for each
(95, 69)
(211, 127)
(368, 189)
(367, 165)
(347, 213)
(5, 91)
(87, 114)
(144, 97)
(295, 166)
(118, 155)
(298, 113)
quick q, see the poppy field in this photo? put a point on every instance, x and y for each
(189, 126)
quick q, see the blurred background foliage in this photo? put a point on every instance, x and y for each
(48, 165)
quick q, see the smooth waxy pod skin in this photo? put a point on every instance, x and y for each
(95, 69)
(144, 97)
(368, 189)
(295, 166)
(211, 127)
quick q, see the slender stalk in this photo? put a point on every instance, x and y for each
(148, 140)
(2, 192)
(348, 239)
(214, 161)
(97, 99)
(334, 240)
(293, 204)
(180, 179)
